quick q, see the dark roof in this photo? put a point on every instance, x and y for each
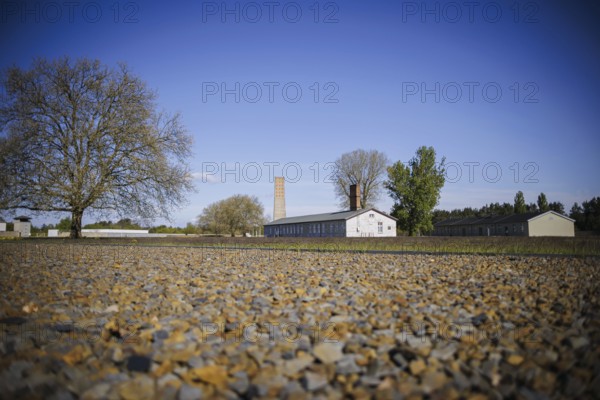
(495, 219)
(333, 216)
(23, 218)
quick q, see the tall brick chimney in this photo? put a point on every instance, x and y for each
(354, 197)
(279, 204)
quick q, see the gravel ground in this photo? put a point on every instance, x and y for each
(99, 322)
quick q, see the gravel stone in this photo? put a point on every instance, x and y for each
(108, 322)
(314, 381)
(187, 392)
(137, 363)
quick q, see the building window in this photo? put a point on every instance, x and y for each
(371, 215)
(380, 227)
(522, 227)
(389, 227)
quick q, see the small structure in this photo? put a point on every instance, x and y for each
(549, 223)
(356, 222)
(2, 225)
(22, 225)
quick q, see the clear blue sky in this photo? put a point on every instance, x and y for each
(511, 86)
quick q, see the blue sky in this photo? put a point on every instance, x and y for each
(508, 90)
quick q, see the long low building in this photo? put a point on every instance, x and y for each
(355, 223)
(548, 223)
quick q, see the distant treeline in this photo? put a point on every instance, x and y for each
(586, 215)
(125, 223)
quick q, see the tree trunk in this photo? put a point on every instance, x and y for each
(76, 217)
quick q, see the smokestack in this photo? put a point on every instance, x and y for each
(354, 197)
(279, 206)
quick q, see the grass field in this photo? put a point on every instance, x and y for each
(576, 246)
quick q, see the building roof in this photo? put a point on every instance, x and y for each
(22, 218)
(496, 219)
(333, 216)
(555, 213)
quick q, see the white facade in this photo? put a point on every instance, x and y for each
(24, 228)
(551, 224)
(2, 226)
(371, 224)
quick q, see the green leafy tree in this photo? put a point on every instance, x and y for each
(532, 207)
(576, 213)
(190, 229)
(363, 168)
(506, 209)
(557, 206)
(591, 214)
(415, 189)
(64, 224)
(234, 215)
(520, 206)
(124, 223)
(79, 136)
(542, 203)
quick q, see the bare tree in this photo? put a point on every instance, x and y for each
(78, 136)
(363, 168)
(236, 214)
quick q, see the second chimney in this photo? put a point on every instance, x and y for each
(354, 197)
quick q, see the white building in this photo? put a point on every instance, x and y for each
(356, 222)
(2, 225)
(22, 225)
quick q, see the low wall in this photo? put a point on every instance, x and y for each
(118, 233)
(10, 234)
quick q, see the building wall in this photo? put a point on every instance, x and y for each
(308, 229)
(506, 229)
(511, 229)
(2, 226)
(371, 224)
(24, 228)
(551, 225)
